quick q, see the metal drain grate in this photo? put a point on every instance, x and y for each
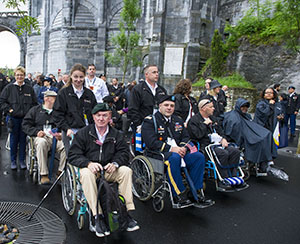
(45, 226)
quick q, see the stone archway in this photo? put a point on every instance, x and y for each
(8, 23)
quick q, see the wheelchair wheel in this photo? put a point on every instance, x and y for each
(247, 170)
(143, 178)
(35, 176)
(68, 190)
(158, 204)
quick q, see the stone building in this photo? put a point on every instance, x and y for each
(176, 35)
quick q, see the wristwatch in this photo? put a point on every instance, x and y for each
(115, 164)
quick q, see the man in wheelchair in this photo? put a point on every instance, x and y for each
(204, 129)
(39, 123)
(98, 147)
(164, 132)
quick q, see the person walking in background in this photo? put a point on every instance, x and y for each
(63, 82)
(292, 108)
(95, 84)
(16, 99)
(185, 105)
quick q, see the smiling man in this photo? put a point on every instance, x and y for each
(100, 147)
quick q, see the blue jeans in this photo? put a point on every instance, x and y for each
(292, 118)
(195, 164)
(17, 140)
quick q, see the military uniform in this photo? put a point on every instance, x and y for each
(292, 107)
(155, 133)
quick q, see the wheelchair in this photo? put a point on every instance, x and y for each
(237, 182)
(149, 180)
(72, 194)
(32, 162)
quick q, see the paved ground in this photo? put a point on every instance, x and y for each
(267, 212)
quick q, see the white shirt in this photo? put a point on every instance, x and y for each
(16, 83)
(292, 94)
(153, 90)
(78, 92)
(98, 86)
(102, 138)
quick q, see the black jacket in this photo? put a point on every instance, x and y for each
(84, 148)
(68, 110)
(117, 92)
(293, 103)
(60, 85)
(20, 99)
(35, 119)
(182, 106)
(156, 140)
(199, 131)
(142, 102)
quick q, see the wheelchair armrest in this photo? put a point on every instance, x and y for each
(155, 153)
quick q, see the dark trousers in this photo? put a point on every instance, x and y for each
(292, 118)
(195, 163)
(17, 140)
(229, 158)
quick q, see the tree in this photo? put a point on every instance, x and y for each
(25, 24)
(217, 55)
(127, 52)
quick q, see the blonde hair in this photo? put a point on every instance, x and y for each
(20, 68)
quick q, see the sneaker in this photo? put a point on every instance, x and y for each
(23, 165)
(45, 180)
(132, 224)
(101, 228)
(182, 200)
(225, 186)
(13, 165)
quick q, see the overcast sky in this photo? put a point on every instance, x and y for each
(9, 44)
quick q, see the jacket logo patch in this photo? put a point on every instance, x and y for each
(178, 127)
(87, 101)
(160, 130)
(27, 94)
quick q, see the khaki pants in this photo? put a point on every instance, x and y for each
(43, 146)
(123, 176)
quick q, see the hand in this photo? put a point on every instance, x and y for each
(11, 110)
(272, 101)
(180, 150)
(41, 133)
(224, 142)
(58, 136)
(70, 133)
(94, 167)
(110, 168)
(207, 121)
(296, 112)
(120, 112)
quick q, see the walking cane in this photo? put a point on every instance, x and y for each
(45, 196)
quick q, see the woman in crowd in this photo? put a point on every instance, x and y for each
(47, 87)
(15, 100)
(73, 105)
(185, 105)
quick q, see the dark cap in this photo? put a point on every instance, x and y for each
(47, 79)
(103, 107)
(108, 99)
(214, 84)
(291, 87)
(166, 98)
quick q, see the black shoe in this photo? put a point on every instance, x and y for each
(182, 200)
(203, 202)
(224, 185)
(101, 228)
(293, 135)
(132, 224)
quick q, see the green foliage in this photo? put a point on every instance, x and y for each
(7, 71)
(126, 43)
(234, 80)
(268, 23)
(27, 23)
(217, 55)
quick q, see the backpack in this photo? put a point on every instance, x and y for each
(112, 204)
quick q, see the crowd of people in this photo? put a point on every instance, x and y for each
(89, 115)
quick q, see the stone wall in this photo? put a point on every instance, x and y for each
(251, 95)
(264, 66)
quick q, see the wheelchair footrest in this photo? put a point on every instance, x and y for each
(234, 181)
